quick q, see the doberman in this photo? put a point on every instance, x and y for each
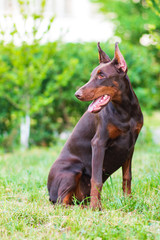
(103, 139)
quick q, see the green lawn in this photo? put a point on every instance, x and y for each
(26, 213)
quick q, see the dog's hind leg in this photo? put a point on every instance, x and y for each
(67, 187)
(80, 189)
(68, 199)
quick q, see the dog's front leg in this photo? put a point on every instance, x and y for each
(127, 175)
(98, 151)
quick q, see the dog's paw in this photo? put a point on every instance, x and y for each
(96, 205)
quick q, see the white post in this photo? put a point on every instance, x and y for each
(25, 132)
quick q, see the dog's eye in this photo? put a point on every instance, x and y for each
(100, 75)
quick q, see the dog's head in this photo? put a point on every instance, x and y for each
(106, 81)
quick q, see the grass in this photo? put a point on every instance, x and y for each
(26, 213)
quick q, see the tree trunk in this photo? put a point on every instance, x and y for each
(25, 132)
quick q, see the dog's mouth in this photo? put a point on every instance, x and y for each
(99, 103)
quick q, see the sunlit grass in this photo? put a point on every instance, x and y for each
(26, 213)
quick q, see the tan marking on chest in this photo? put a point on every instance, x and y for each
(138, 127)
(113, 131)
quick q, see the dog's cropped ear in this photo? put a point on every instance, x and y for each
(118, 60)
(103, 58)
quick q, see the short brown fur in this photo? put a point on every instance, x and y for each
(113, 131)
(103, 139)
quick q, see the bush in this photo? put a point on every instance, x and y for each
(68, 66)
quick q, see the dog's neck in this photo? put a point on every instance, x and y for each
(129, 102)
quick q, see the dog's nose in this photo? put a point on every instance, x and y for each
(78, 94)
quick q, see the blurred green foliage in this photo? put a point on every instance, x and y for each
(40, 80)
(24, 68)
(137, 22)
(132, 18)
(57, 70)
(154, 29)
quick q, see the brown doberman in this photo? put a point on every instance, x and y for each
(103, 139)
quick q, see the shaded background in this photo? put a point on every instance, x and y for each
(48, 49)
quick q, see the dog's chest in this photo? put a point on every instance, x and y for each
(121, 134)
